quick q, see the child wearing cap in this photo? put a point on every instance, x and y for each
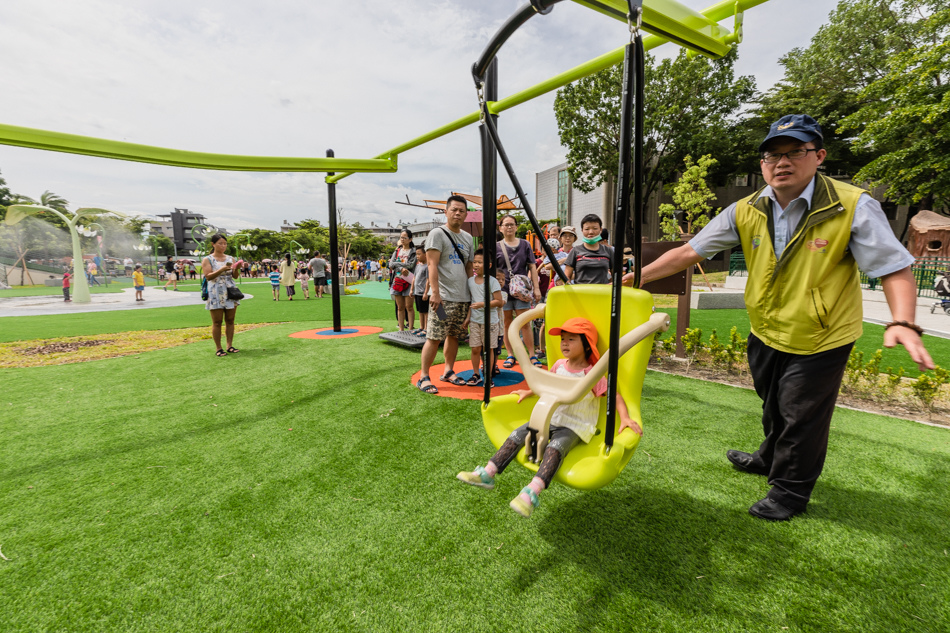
(570, 424)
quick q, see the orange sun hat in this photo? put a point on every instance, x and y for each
(579, 325)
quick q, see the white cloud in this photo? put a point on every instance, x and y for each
(294, 78)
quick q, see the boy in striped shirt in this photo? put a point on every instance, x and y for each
(275, 282)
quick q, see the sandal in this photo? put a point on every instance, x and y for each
(495, 371)
(452, 378)
(536, 362)
(220, 352)
(428, 389)
(474, 381)
(509, 362)
(233, 350)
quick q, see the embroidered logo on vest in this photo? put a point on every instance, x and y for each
(817, 245)
(756, 241)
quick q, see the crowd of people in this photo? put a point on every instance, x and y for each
(445, 278)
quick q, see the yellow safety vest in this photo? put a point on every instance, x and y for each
(809, 299)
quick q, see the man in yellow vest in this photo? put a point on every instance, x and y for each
(804, 236)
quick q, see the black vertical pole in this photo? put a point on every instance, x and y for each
(621, 219)
(334, 254)
(489, 218)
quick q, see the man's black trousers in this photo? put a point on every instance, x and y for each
(798, 395)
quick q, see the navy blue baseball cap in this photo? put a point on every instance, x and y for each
(797, 126)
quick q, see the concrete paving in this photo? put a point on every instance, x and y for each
(875, 306)
(876, 310)
(154, 297)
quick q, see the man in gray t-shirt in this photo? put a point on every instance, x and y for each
(449, 252)
(318, 270)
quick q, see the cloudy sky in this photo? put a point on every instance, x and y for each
(293, 78)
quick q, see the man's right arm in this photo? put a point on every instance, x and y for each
(432, 258)
(721, 233)
(670, 263)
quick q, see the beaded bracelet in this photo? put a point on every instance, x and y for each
(912, 326)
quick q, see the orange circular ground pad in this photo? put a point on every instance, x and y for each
(512, 380)
(345, 332)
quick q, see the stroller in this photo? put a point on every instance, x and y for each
(942, 286)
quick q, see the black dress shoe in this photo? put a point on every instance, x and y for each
(771, 510)
(745, 463)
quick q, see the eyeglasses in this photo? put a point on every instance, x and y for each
(509, 224)
(774, 157)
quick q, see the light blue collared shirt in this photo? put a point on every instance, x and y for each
(875, 249)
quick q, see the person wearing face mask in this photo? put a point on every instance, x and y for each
(589, 262)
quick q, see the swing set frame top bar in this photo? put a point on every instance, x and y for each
(667, 19)
(613, 8)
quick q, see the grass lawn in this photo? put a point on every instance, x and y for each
(306, 486)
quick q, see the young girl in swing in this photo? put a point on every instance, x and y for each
(570, 423)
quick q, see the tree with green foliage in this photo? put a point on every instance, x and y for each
(6, 197)
(905, 120)
(162, 243)
(692, 109)
(269, 243)
(691, 195)
(828, 79)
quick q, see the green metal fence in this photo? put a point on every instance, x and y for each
(925, 271)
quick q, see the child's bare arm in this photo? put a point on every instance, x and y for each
(496, 301)
(626, 422)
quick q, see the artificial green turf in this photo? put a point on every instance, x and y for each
(17, 291)
(131, 502)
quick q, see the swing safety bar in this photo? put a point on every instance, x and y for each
(553, 390)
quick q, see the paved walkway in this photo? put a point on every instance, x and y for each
(154, 296)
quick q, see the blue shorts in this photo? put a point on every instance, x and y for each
(140, 288)
(516, 304)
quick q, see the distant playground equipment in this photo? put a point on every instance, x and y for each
(666, 20)
(18, 212)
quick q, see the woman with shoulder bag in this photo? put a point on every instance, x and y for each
(518, 274)
(223, 296)
(402, 264)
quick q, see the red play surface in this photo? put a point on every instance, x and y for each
(448, 390)
(348, 331)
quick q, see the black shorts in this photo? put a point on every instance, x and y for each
(422, 305)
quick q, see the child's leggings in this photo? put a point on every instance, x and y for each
(561, 441)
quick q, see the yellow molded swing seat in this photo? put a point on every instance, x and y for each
(587, 466)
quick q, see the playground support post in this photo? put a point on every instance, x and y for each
(334, 256)
(488, 91)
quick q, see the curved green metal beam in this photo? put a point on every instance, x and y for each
(717, 12)
(685, 25)
(75, 144)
